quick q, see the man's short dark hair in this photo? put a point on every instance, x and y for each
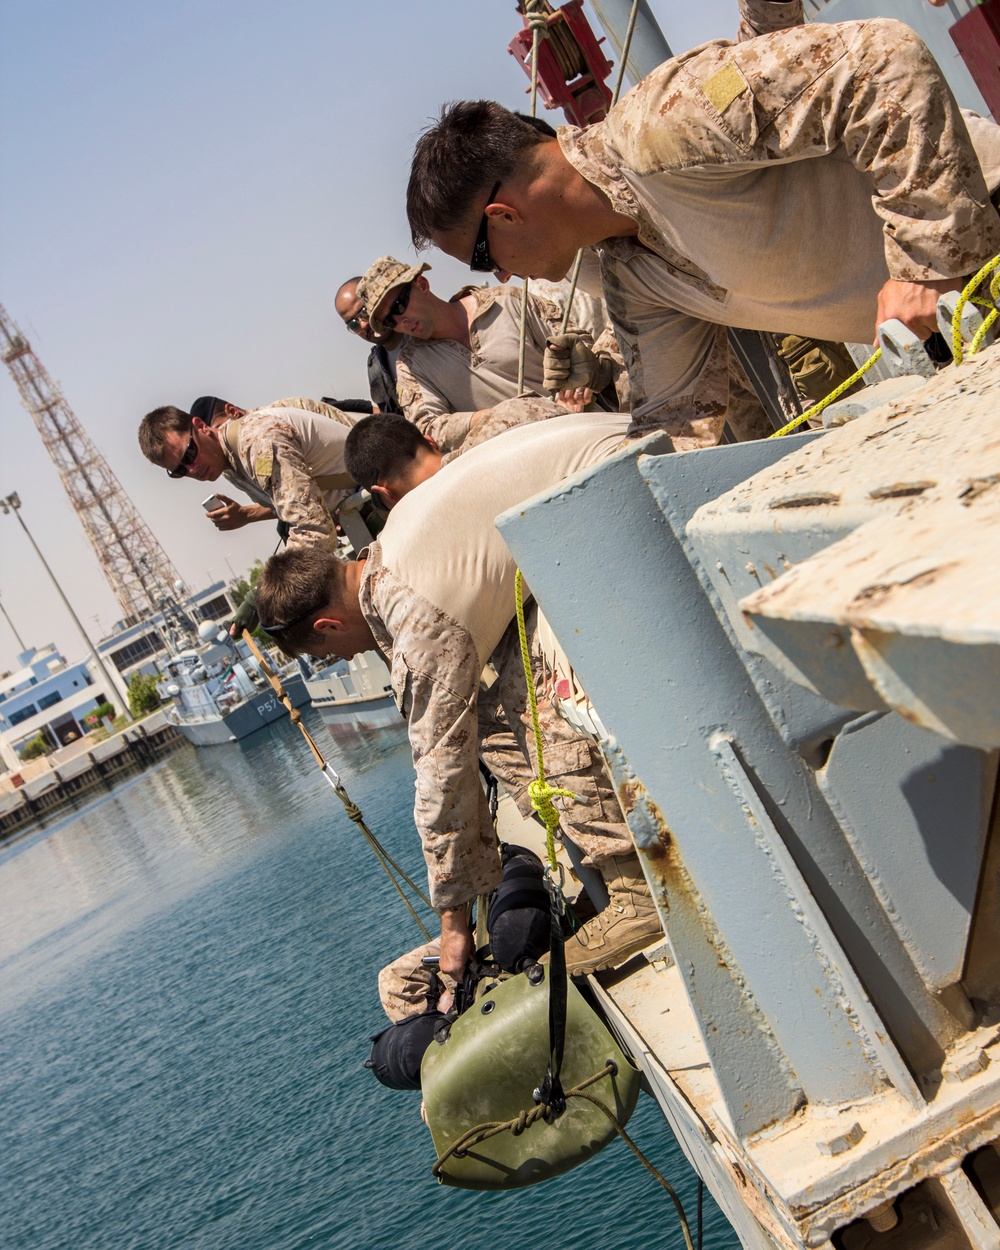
(381, 446)
(475, 144)
(156, 425)
(296, 584)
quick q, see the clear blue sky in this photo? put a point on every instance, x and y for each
(183, 186)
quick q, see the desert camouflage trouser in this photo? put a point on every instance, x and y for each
(572, 762)
(507, 747)
(406, 987)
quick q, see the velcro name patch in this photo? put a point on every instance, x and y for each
(724, 86)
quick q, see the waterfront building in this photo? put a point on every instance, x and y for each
(143, 647)
(47, 695)
(51, 696)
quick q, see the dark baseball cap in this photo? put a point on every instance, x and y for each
(204, 407)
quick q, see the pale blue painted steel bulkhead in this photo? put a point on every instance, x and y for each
(762, 889)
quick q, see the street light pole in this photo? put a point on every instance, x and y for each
(13, 504)
(20, 640)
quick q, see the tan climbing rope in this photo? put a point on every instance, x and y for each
(354, 813)
(626, 48)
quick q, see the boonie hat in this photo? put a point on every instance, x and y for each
(379, 279)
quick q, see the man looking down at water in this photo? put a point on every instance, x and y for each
(435, 593)
(288, 457)
(816, 180)
(384, 351)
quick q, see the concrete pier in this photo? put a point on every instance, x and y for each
(74, 773)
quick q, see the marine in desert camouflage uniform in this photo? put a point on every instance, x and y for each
(289, 456)
(460, 356)
(390, 456)
(436, 594)
(813, 181)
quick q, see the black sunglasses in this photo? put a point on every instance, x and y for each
(186, 461)
(354, 325)
(482, 261)
(271, 630)
(399, 305)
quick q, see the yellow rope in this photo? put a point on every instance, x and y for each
(539, 791)
(816, 409)
(980, 334)
(957, 347)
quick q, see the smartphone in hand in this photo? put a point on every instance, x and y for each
(212, 503)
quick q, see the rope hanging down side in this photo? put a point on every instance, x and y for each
(389, 865)
(542, 794)
(549, 1094)
(958, 351)
(483, 1132)
(626, 48)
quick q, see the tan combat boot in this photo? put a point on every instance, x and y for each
(627, 925)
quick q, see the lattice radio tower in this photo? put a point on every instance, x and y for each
(136, 566)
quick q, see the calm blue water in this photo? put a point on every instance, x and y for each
(186, 992)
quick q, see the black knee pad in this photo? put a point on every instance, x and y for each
(397, 1051)
(518, 914)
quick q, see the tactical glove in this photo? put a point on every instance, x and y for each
(246, 616)
(570, 363)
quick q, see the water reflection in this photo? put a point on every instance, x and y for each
(70, 888)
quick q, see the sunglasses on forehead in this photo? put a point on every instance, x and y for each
(271, 630)
(186, 461)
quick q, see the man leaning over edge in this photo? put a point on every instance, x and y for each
(817, 180)
(435, 593)
(289, 455)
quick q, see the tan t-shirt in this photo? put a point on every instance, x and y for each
(777, 184)
(438, 593)
(441, 382)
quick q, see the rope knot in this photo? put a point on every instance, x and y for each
(536, 17)
(350, 807)
(294, 715)
(541, 795)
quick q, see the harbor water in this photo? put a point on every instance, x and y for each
(187, 989)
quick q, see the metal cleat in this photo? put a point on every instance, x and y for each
(854, 406)
(969, 322)
(962, 1067)
(902, 352)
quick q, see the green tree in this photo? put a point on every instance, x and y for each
(238, 591)
(142, 695)
(36, 746)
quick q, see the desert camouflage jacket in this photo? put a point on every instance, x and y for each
(291, 454)
(441, 383)
(776, 184)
